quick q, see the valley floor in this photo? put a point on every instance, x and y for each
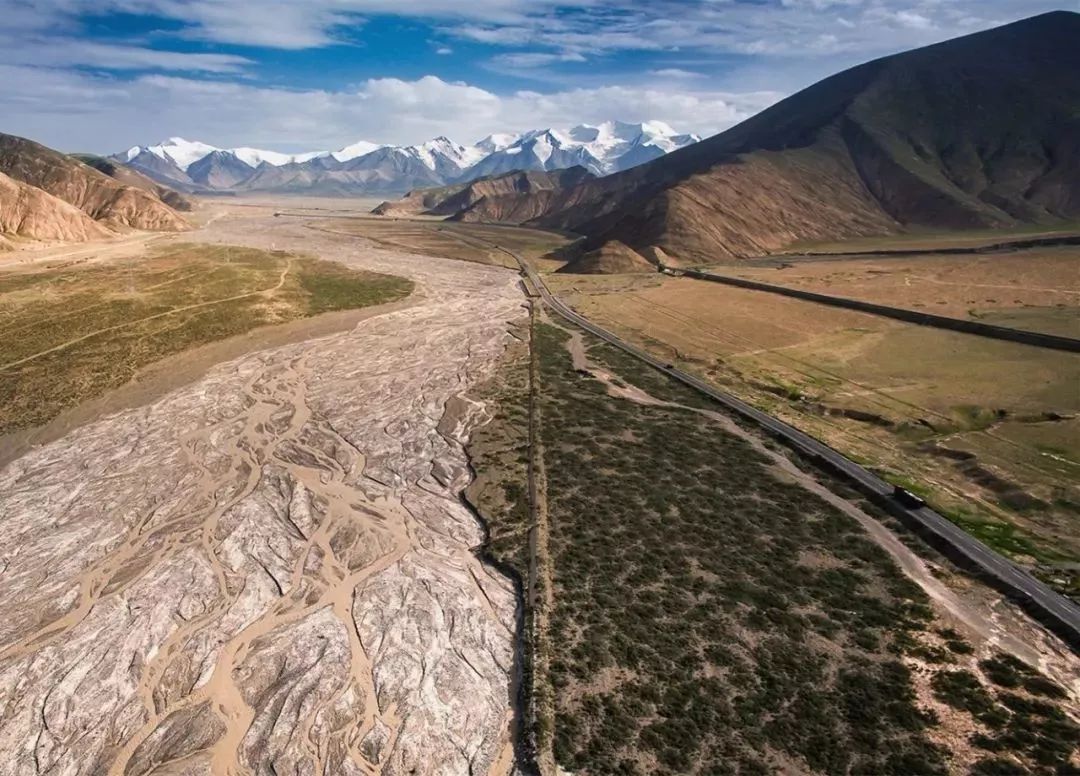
(256, 557)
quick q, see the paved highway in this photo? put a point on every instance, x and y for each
(1052, 609)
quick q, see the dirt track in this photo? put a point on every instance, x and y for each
(270, 569)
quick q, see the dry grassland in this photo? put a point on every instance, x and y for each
(70, 333)
(928, 240)
(1036, 289)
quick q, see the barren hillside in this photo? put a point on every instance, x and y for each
(132, 177)
(613, 257)
(513, 197)
(981, 131)
(94, 193)
(29, 212)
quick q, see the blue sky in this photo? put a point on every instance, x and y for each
(101, 75)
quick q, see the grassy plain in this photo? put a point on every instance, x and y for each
(988, 430)
(712, 617)
(466, 242)
(68, 334)
(931, 240)
(1036, 289)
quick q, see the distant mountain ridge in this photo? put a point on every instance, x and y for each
(364, 168)
(982, 131)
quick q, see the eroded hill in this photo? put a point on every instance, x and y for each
(29, 212)
(132, 177)
(513, 197)
(104, 200)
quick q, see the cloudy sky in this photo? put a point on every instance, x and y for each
(298, 75)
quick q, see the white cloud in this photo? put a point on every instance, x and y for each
(675, 72)
(819, 5)
(861, 29)
(114, 114)
(583, 26)
(444, 51)
(526, 60)
(63, 52)
(915, 21)
(285, 24)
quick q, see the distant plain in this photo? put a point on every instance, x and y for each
(466, 242)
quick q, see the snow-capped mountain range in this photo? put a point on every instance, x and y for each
(364, 167)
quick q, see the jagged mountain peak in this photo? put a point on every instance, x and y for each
(364, 166)
(352, 151)
(497, 141)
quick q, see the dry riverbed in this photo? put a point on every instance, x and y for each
(270, 569)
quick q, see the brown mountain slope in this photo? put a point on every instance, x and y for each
(94, 193)
(418, 201)
(981, 131)
(511, 197)
(611, 258)
(131, 177)
(29, 212)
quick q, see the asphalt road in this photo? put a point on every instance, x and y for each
(1057, 612)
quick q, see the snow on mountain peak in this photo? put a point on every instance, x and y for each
(657, 128)
(359, 148)
(253, 157)
(542, 146)
(604, 148)
(442, 147)
(497, 142)
(183, 153)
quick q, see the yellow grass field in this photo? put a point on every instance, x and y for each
(1036, 289)
(931, 240)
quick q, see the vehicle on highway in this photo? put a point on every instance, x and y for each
(907, 498)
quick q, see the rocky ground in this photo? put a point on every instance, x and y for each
(270, 569)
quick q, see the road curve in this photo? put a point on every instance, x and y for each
(1053, 610)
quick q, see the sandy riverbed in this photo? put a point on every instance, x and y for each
(269, 568)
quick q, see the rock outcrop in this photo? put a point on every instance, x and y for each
(609, 259)
(129, 176)
(509, 198)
